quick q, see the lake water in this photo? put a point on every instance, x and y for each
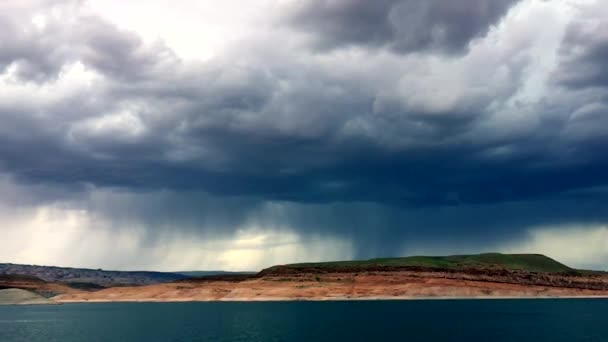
(424, 320)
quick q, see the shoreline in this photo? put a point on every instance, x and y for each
(329, 299)
(285, 300)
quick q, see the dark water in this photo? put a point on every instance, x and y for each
(444, 320)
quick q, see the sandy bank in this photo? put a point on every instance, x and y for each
(337, 286)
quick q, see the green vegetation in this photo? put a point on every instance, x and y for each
(526, 262)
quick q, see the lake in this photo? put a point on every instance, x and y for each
(421, 320)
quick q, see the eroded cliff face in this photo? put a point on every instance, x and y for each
(22, 297)
(363, 284)
(36, 285)
(575, 279)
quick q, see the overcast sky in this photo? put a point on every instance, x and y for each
(183, 135)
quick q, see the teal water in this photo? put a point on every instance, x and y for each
(437, 320)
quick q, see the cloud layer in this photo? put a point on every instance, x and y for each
(387, 126)
(402, 25)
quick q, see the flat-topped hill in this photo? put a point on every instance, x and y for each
(488, 261)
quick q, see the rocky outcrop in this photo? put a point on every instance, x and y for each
(22, 297)
(36, 285)
(574, 279)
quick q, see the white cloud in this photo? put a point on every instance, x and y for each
(195, 30)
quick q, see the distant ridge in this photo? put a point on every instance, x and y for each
(196, 274)
(523, 262)
(89, 276)
(91, 279)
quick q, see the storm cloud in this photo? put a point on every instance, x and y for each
(390, 125)
(405, 26)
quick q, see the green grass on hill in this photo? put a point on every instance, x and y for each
(527, 262)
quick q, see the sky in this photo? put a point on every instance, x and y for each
(235, 135)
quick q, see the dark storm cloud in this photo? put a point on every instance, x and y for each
(374, 229)
(582, 69)
(402, 25)
(584, 51)
(281, 126)
(379, 148)
(378, 230)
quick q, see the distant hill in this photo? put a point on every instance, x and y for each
(91, 279)
(196, 274)
(523, 262)
(83, 277)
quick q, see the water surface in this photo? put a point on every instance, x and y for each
(436, 320)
